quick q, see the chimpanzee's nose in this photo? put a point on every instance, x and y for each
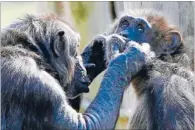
(124, 33)
(86, 81)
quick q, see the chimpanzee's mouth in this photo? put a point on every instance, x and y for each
(78, 88)
(83, 87)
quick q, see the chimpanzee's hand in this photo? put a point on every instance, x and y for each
(127, 64)
(94, 56)
(115, 44)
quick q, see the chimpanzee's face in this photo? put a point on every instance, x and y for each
(136, 29)
(79, 80)
(163, 39)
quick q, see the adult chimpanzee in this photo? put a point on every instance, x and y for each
(165, 86)
(37, 63)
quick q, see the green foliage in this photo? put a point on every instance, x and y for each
(80, 13)
(80, 10)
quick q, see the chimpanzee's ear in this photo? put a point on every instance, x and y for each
(173, 42)
(57, 45)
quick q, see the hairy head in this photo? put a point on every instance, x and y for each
(49, 37)
(150, 27)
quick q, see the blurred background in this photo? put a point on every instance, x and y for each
(92, 18)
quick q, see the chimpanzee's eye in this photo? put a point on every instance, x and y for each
(125, 24)
(140, 28)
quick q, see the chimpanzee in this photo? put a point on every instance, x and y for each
(37, 64)
(165, 86)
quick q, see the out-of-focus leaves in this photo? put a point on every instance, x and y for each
(80, 10)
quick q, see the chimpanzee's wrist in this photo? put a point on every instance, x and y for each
(117, 77)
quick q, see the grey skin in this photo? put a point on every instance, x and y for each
(165, 86)
(35, 68)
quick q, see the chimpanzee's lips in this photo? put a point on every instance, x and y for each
(80, 87)
(83, 87)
